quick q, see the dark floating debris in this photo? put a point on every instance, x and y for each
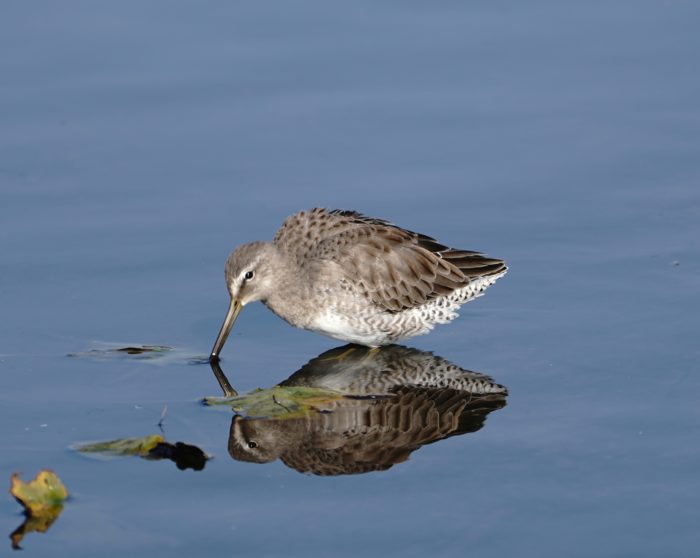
(144, 349)
(185, 456)
(117, 351)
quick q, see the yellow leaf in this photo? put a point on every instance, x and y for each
(40, 496)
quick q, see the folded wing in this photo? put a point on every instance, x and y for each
(396, 268)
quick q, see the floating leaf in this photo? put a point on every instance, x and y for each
(42, 500)
(37, 496)
(141, 352)
(279, 402)
(123, 446)
(153, 447)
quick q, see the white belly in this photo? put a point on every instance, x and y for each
(338, 327)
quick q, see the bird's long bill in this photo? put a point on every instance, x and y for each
(231, 316)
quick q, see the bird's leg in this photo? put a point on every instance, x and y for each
(342, 356)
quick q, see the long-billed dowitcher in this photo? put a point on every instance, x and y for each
(355, 278)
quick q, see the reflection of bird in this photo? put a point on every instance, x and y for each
(354, 278)
(357, 370)
(398, 400)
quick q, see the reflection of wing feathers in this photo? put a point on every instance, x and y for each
(358, 371)
(364, 435)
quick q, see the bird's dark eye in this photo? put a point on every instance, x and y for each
(252, 445)
(249, 275)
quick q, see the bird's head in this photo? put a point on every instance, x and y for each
(250, 272)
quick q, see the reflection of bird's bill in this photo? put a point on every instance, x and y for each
(233, 310)
(225, 385)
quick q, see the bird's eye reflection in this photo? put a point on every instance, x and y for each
(354, 410)
(249, 275)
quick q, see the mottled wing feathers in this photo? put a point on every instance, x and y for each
(395, 268)
(301, 233)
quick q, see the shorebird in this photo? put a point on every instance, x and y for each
(355, 278)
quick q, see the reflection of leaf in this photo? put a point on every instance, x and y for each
(153, 447)
(42, 500)
(44, 492)
(38, 524)
(279, 402)
(123, 446)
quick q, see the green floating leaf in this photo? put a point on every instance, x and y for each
(123, 446)
(279, 402)
(153, 447)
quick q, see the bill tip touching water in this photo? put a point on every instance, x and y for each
(355, 278)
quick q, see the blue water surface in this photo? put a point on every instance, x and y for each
(140, 142)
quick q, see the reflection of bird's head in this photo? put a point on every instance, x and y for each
(256, 441)
(311, 445)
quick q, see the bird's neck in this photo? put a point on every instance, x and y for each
(292, 293)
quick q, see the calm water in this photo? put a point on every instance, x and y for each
(140, 143)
